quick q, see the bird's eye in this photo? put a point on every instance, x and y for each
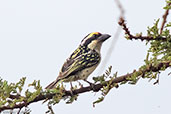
(97, 35)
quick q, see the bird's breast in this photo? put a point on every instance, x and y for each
(81, 75)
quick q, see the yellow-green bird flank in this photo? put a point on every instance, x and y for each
(83, 61)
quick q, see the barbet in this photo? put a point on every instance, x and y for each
(83, 61)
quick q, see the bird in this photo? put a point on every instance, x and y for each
(83, 61)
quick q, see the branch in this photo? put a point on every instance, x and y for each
(122, 11)
(140, 37)
(114, 40)
(164, 19)
(96, 87)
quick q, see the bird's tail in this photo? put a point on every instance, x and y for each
(53, 84)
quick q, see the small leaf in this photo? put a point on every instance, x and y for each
(100, 99)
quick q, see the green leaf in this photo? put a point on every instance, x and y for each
(100, 99)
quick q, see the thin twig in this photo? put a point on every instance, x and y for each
(114, 40)
(164, 19)
(122, 11)
(139, 37)
(19, 111)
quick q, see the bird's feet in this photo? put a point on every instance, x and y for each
(92, 85)
(71, 89)
(81, 85)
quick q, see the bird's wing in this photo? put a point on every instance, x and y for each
(81, 62)
(79, 51)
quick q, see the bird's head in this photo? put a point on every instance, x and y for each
(94, 40)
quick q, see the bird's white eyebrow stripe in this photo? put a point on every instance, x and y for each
(84, 39)
(92, 36)
(87, 40)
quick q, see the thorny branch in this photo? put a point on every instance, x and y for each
(164, 19)
(140, 37)
(96, 87)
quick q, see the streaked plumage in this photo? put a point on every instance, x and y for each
(83, 61)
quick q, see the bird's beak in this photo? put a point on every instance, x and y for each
(104, 37)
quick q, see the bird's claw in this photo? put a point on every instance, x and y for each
(71, 91)
(92, 85)
(81, 85)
